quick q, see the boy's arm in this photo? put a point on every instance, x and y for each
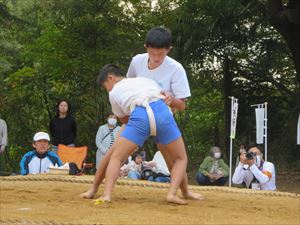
(124, 120)
(177, 103)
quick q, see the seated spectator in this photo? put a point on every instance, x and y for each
(253, 171)
(133, 169)
(40, 159)
(213, 170)
(160, 172)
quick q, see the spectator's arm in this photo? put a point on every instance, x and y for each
(23, 167)
(74, 128)
(239, 174)
(262, 176)
(100, 134)
(225, 168)
(204, 167)
(4, 136)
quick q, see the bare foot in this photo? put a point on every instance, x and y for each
(193, 196)
(88, 194)
(175, 199)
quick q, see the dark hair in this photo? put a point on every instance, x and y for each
(253, 145)
(57, 107)
(109, 114)
(136, 154)
(107, 70)
(159, 37)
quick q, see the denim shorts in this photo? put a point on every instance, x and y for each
(138, 128)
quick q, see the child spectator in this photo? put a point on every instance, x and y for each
(134, 168)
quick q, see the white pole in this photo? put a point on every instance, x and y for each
(230, 153)
(266, 133)
(233, 121)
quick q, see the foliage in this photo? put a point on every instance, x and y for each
(53, 49)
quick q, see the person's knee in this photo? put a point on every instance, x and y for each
(201, 179)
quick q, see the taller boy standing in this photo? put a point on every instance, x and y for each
(172, 78)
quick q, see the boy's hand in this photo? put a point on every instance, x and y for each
(168, 98)
(124, 120)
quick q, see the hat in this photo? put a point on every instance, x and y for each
(41, 136)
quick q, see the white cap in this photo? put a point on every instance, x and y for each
(41, 136)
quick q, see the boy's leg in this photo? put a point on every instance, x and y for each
(187, 194)
(99, 176)
(122, 149)
(178, 154)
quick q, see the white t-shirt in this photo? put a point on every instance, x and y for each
(170, 75)
(240, 175)
(161, 166)
(126, 91)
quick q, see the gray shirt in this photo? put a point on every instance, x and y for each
(104, 143)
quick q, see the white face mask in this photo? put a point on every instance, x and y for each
(112, 121)
(217, 155)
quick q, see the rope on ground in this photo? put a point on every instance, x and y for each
(31, 222)
(126, 182)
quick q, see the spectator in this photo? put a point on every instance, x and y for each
(3, 135)
(105, 137)
(134, 168)
(242, 150)
(160, 169)
(40, 159)
(253, 171)
(213, 170)
(63, 127)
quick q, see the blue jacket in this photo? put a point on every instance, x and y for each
(34, 163)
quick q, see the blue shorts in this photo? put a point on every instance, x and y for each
(138, 128)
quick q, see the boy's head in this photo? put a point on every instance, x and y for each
(41, 142)
(158, 44)
(108, 76)
(138, 158)
(158, 37)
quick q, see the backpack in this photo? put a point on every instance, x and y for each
(74, 169)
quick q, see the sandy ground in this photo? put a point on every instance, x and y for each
(43, 201)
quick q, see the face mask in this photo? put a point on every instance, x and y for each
(258, 160)
(112, 121)
(217, 155)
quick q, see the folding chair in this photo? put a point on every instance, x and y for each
(76, 155)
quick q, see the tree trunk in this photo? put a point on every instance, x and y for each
(227, 91)
(286, 20)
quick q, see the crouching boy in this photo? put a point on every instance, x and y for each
(138, 103)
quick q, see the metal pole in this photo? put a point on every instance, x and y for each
(265, 131)
(230, 154)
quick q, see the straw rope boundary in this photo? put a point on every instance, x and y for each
(125, 182)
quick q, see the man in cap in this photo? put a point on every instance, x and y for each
(39, 160)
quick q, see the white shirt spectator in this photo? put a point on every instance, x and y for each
(3, 135)
(263, 176)
(161, 166)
